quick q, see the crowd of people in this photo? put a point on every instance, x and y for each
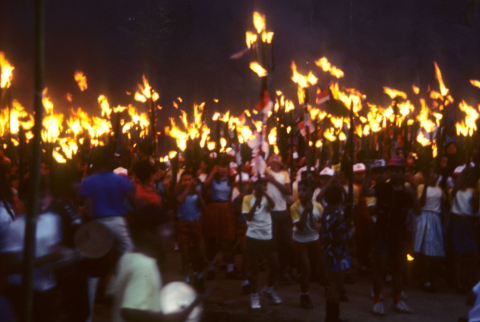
(297, 222)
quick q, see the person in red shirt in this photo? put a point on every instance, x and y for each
(145, 193)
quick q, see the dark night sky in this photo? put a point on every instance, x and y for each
(184, 46)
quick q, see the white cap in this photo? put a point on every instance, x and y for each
(380, 163)
(121, 171)
(359, 167)
(327, 172)
(295, 155)
(213, 155)
(459, 169)
(245, 177)
(231, 153)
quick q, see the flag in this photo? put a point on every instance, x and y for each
(323, 96)
(301, 126)
(264, 105)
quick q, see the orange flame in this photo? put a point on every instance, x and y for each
(324, 64)
(259, 22)
(267, 37)
(443, 89)
(394, 93)
(81, 80)
(251, 38)
(475, 83)
(415, 89)
(468, 125)
(259, 70)
(7, 72)
(106, 110)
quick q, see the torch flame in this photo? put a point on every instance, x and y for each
(324, 64)
(7, 72)
(259, 22)
(251, 38)
(443, 89)
(422, 139)
(475, 83)
(415, 89)
(261, 72)
(267, 37)
(81, 80)
(468, 125)
(106, 110)
(301, 80)
(394, 93)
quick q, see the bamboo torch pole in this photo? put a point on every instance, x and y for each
(349, 166)
(31, 220)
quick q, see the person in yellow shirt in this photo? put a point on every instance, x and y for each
(306, 215)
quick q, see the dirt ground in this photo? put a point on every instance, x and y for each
(226, 302)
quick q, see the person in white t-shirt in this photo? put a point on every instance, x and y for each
(279, 188)
(259, 241)
(137, 282)
(48, 251)
(306, 216)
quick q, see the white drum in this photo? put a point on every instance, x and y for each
(176, 296)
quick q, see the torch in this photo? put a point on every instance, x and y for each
(303, 83)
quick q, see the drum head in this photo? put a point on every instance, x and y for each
(176, 296)
(93, 240)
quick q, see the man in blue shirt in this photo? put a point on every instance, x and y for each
(106, 197)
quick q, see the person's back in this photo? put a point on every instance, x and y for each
(108, 191)
(136, 285)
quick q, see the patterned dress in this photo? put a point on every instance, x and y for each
(334, 237)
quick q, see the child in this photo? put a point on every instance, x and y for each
(334, 239)
(239, 191)
(429, 233)
(306, 215)
(137, 282)
(219, 221)
(259, 242)
(190, 205)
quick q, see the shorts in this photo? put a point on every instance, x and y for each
(313, 248)
(341, 265)
(258, 247)
(189, 232)
(383, 248)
